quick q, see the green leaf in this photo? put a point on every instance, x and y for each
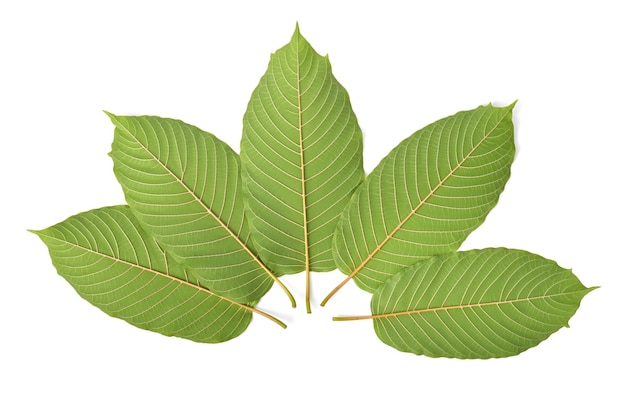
(116, 266)
(301, 154)
(183, 185)
(475, 304)
(426, 196)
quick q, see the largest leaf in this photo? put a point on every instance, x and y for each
(183, 185)
(112, 263)
(426, 196)
(301, 154)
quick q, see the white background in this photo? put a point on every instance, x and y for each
(404, 65)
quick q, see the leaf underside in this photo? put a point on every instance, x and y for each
(426, 196)
(301, 155)
(116, 266)
(190, 255)
(476, 304)
(183, 186)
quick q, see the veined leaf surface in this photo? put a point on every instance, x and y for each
(116, 266)
(475, 304)
(426, 196)
(183, 185)
(301, 155)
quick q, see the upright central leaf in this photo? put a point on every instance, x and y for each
(301, 156)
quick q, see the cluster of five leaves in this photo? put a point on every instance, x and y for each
(209, 233)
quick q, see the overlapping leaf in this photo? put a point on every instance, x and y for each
(112, 263)
(301, 155)
(426, 196)
(183, 185)
(475, 304)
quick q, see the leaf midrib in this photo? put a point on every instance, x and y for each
(305, 224)
(457, 307)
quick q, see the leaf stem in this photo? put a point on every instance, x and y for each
(351, 318)
(268, 316)
(284, 288)
(332, 293)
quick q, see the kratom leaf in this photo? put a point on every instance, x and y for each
(116, 266)
(475, 304)
(183, 185)
(301, 154)
(426, 196)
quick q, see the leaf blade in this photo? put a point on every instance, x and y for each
(183, 186)
(113, 264)
(301, 154)
(475, 304)
(426, 196)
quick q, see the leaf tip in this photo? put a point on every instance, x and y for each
(112, 117)
(39, 233)
(296, 33)
(591, 289)
(512, 105)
